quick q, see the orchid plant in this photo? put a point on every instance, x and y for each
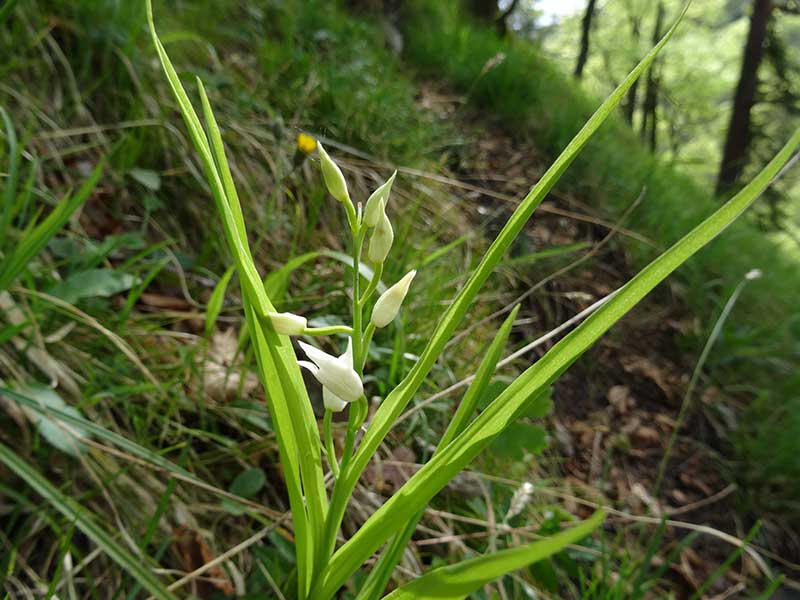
(323, 565)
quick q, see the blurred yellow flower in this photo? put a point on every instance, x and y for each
(305, 143)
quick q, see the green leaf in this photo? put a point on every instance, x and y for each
(148, 178)
(483, 377)
(93, 283)
(534, 382)
(248, 483)
(455, 582)
(58, 433)
(216, 300)
(519, 438)
(136, 566)
(36, 237)
(394, 404)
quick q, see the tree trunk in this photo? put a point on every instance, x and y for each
(586, 27)
(737, 141)
(650, 109)
(630, 98)
(483, 9)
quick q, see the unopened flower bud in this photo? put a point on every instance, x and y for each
(288, 323)
(381, 241)
(376, 203)
(334, 373)
(331, 401)
(332, 174)
(388, 305)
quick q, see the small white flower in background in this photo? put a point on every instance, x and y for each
(376, 204)
(519, 500)
(381, 241)
(335, 373)
(332, 174)
(288, 323)
(388, 305)
(754, 274)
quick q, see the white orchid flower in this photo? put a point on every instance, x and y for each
(288, 323)
(332, 174)
(334, 373)
(388, 305)
(377, 202)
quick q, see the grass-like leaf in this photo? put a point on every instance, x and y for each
(455, 582)
(34, 238)
(380, 573)
(74, 512)
(215, 301)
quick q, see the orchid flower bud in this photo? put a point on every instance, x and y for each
(376, 203)
(381, 241)
(334, 373)
(288, 323)
(331, 401)
(388, 305)
(332, 174)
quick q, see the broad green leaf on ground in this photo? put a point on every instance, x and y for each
(248, 483)
(147, 177)
(455, 582)
(58, 433)
(92, 283)
(135, 565)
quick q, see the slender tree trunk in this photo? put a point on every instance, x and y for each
(649, 129)
(737, 141)
(629, 108)
(483, 9)
(586, 28)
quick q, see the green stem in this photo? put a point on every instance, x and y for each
(330, 330)
(377, 271)
(367, 341)
(330, 450)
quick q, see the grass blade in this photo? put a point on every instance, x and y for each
(380, 573)
(504, 410)
(35, 238)
(455, 582)
(83, 520)
(10, 189)
(215, 301)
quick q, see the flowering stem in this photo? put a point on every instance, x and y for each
(377, 271)
(330, 330)
(330, 450)
(357, 332)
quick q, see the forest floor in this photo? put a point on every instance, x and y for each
(615, 410)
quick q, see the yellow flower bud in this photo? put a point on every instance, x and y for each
(376, 203)
(381, 241)
(388, 305)
(332, 174)
(306, 143)
(288, 323)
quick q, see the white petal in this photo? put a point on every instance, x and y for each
(331, 401)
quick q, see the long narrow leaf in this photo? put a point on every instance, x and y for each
(379, 575)
(396, 401)
(10, 188)
(455, 582)
(82, 518)
(36, 238)
(504, 410)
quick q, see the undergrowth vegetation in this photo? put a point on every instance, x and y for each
(759, 350)
(125, 329)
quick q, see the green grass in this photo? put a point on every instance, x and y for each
(759, 349)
